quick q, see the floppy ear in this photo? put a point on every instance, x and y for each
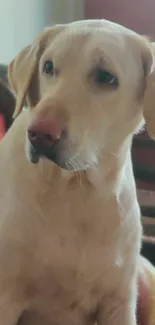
(23, 70)
(20, 73)
(149, 96)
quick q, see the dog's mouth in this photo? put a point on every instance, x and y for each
(52, 154)
(34, 154)
(56, 154)
(64, 153)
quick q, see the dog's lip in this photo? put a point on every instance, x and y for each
(55, 154)
(34, 155)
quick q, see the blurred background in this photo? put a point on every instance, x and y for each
(138, 15)
(22, 20)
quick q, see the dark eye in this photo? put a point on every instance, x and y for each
(103, 77)
(48, 67)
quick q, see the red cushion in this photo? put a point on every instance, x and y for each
(2, 126)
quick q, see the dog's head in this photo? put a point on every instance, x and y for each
(88, 86)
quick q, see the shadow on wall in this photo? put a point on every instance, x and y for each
(138, 15)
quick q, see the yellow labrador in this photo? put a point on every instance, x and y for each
(70, 227)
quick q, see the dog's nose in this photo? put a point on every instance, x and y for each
(44, 133)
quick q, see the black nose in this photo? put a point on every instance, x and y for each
(40, 140)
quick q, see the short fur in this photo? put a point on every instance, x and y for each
(70, 240)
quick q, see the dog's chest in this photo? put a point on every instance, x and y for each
(74, 247)
(75, 253)
(72, 270)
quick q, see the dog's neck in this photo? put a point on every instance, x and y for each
(112, 167)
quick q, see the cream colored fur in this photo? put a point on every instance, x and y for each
(69, 240)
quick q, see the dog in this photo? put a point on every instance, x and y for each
(70, 228)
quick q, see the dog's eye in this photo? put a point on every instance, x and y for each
(48, 67)
(104, 77)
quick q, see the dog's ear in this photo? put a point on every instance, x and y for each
(20, 77)
(149, 95)
(23, 70)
